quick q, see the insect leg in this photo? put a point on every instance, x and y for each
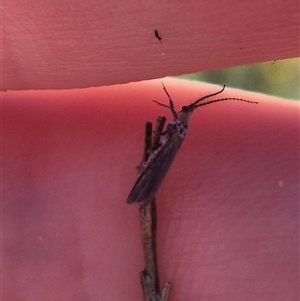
(170, 102)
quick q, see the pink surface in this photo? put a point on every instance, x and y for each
(227, 210)
(74, 44)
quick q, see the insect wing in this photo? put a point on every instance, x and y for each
(146, 186)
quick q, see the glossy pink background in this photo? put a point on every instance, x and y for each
(227, 210)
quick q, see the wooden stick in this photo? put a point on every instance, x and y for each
(149, 276)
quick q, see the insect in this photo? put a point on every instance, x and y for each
(161, 158)
(157, 35)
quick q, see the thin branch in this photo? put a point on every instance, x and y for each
(149, 276)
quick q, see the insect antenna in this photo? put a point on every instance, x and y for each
(224, 99)
(196, 105)
(207, 96)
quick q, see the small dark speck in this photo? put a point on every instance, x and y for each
(157, 35)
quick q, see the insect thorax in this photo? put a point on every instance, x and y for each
(179, 129)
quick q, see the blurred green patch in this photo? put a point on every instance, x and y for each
(278, 78)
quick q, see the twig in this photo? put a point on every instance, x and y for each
(149, 276)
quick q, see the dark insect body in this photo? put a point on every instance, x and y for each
(160, 160)
(157, 35)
